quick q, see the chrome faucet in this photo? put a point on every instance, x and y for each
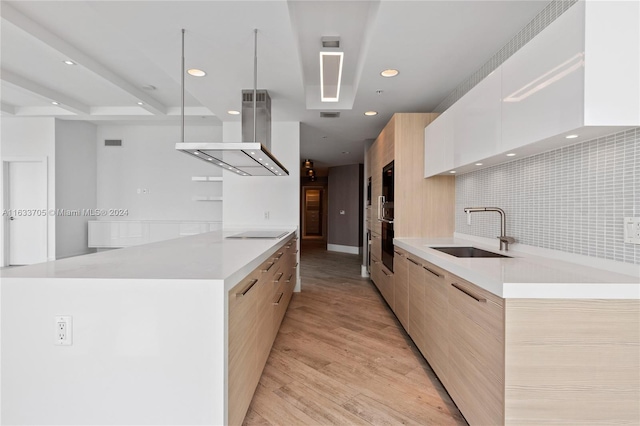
(504, 240)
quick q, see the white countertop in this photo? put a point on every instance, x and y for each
(524, 275)
(207, 256)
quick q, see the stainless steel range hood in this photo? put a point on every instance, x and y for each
(251, 157)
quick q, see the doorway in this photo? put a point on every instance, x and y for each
(26, 214)
(313, 217)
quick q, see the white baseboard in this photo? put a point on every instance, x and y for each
(363, 271)
(344, 249)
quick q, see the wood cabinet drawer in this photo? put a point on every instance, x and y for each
(436, 326)
(376, 245)
(416, 302)
(401, 287)
(476, 352)
(243, 321)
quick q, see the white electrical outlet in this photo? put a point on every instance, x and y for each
(63, 330)
(632, 230)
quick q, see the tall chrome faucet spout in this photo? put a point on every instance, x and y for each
(504, 239)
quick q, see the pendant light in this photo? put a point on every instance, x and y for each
(242, 158)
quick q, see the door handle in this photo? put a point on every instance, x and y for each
(380, 202)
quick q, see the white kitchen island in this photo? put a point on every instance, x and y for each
(149, 333)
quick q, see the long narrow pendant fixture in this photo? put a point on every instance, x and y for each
(242, 158)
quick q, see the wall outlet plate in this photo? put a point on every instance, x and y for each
(63, 330)
(632, 230)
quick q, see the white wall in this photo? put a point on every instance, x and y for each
(31, 137)
(144, 352)
(148, 160)
(75, 184)
(248, 198)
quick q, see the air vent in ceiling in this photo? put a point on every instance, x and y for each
(329, 114)
(113, 142)
(330, 42)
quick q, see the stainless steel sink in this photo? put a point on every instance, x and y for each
(467, 252)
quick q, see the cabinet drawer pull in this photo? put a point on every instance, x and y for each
(269, 267)
(279, 277)
(289, 279)
(296, 265)
(278, 256)
(433, 272)
(413, 261)
(385, 272)
(295, 252)
(375, 236)
(277, 302)
(247, 288)
(471, 295)
(398, 253)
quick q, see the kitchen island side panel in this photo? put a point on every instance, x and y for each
(143, 351)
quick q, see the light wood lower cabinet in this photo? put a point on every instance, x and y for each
(401, 288)
(243, 330)
(416, 286)
(525, 361)
(475, 375)
(257, 306)
(383, 279)
(436, 320)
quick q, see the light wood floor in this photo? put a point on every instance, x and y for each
(341, 357)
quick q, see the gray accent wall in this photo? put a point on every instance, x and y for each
(572, 199)
(345, 193)
(76, 184)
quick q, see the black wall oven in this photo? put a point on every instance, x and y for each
(385, 215)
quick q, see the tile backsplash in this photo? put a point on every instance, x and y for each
(571, 199)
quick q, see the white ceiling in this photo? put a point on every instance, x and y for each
(121, 46)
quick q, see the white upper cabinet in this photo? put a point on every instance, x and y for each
(580, 75)
(438, 148)
(476, 121)
(543, 84)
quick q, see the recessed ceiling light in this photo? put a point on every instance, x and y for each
(478, 164)
(452, 171)
(233, 112)
(370, 113)
(511, 154)
(389, 73)
(140, 103)
(571, 136)
(196, 72)
(330, 76)
(68, 62)
(55, 103)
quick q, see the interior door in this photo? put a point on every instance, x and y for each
(313, 212)
(27, 212)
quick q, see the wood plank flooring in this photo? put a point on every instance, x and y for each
(342, 358)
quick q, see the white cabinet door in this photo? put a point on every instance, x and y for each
(476, 121)
(543, 83)
(438, 144)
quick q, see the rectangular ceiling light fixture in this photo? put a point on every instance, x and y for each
(330, 75)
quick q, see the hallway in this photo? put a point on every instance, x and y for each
(341, 357)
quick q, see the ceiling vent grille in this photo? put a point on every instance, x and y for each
(329, 114)
(113, 142)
